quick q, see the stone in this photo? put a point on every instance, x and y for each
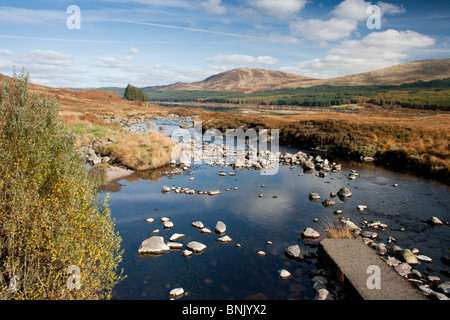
(168, 224)
(369, 234)
(403, 269)
(205, 230)
(224, 239)
(220, 227)
(197, 224)
(310, 233)
(380, 248)
(314, 196)
(261, 253)
(176, 236)
(166, 189)
(409, 257)
(344, 193)
(175, 245)
(195, 246)
(434, 221)
(164, 219)
(328, 203)
(187, 253)
(177, 292)
(424, 258)
(149, 220)
(323, 294)
(213, 193)
(294, 252)
(362, 207)
(349, 225)
(284, 274)
(391, 261)
(154, 245)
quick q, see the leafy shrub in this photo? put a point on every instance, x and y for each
(52, 221)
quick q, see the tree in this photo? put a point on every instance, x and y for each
(57, 239)
(133, 93)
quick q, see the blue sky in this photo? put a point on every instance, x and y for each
(153, 42)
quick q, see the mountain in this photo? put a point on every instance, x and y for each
(254, 79)
(238, 80)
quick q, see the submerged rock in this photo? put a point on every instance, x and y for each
(284, 274)
(224, 239)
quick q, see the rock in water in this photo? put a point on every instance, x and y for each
(314, 196)
(220, 227)
(435, 221)
(195, 246)
(328, 203)
(294, 252)
(197, 224)
(344, 193)
(284, 274)
(224, 239)
(154, 245)
(310, 233)
(176, 292)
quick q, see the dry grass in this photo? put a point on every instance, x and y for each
(141, 151)
(334, 231)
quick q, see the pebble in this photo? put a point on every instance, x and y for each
(310, 233)
(197, 224)
(224, 239)
(261, 253)
(424, 258)
(205, 230)
(149, 220)
(284, 274)
(195, 246)
(187, 253)
(177, 292)
(176, 236)
(168, 224)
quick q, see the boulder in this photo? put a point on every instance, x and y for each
(294, 252)
(197, 224)
(220, 227)
(176, 236)
(349, 225)
(154, 245)
(344, 193)
(403, 269)
(328, 203)
(195, 246)
(310, 233)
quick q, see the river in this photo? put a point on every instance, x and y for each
(235, 270)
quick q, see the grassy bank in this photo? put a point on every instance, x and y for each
(138, 152)
(418, 144)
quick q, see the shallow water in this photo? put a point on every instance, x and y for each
(225, 271)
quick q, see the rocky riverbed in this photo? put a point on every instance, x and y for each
(409, 261)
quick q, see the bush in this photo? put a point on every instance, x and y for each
(57, 239)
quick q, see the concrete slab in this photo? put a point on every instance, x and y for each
(363, 273)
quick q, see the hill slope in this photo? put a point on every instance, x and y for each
(253, 79)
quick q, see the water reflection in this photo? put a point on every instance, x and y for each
(225, 271)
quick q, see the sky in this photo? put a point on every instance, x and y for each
(99, 43)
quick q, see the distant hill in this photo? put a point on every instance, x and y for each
(239, 80)
(254, 79)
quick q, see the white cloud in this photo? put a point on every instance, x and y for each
(375, 51)
(239, 59)
(346, 16)
(213, 6)
(45, 57)
(134, 50)
(323, 30)
(277, 8)
(5, 52)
